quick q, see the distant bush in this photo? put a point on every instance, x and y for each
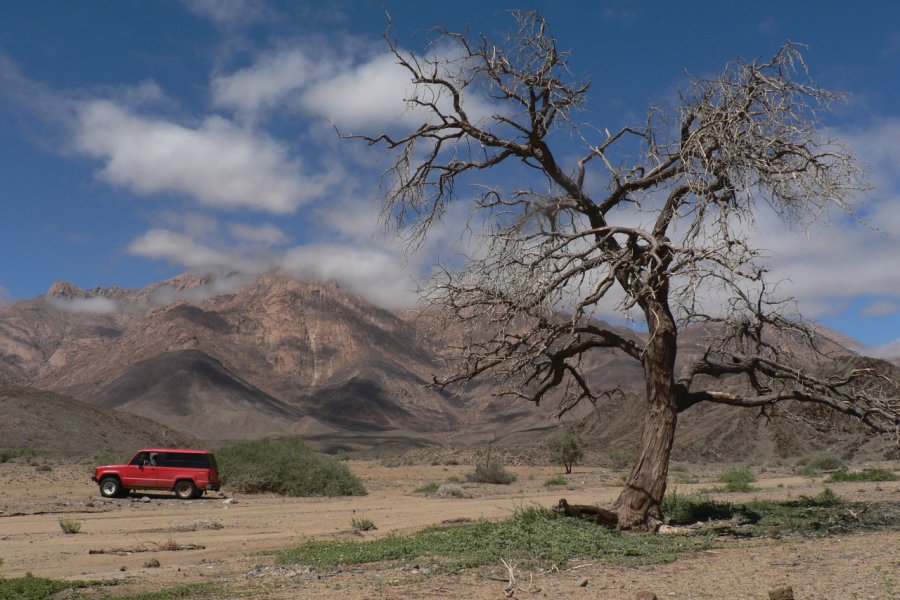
(619, 458)
(285, 465)
(491, 472)
(565, 450)
(449, 490)
(826, 463)
(45, 468)
(807, 471)
(361, 524)
(428, 488)
(864, 475)
(737, 479)
(556, 480)
(69, 526)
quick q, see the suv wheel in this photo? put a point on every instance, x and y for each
(185, 489)
(110, 487)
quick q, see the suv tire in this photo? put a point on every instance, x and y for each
(111, 487)
(185, 489)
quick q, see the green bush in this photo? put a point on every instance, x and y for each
(686, 510)
(285, 465)
(556, 480)
(490, 472)
(361, 524)
(826, 463)
(620, 459)
(737, 479)
(807, 471)
(864, 475)
(565, 450)
(428, 488)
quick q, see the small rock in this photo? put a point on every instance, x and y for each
(583, 583)
(145, 499)
(782, 593)
(645, 595)
(229, 501)
(151, 564)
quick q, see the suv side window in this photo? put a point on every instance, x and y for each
(139, 459)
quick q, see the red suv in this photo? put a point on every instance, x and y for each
(188, 473)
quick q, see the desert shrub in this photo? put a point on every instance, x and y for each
(807, 471)
(490, 472)
(285, 465)
(826, 463)
(864, 475)
(449, 490)
(44, 468)
(428, 488)
(685, 510)
(620, 459)
(825, 498)
(556, 480)
(362, 524)
(453, 479)
(686, 477)
(737, 479)
(69, 526)
(565, 450)
(6, 455)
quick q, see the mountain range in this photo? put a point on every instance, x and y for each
(280, 356)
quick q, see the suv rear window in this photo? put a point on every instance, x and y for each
(188, 460)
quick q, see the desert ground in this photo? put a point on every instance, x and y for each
(223, 538)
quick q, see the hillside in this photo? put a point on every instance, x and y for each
(62, 428)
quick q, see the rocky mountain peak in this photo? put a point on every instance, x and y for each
(64, 289)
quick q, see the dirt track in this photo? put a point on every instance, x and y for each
(131, 532)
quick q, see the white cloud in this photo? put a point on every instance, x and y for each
(5, 296)
(218, 163)
(881, 309)
(888, 350)
(95, 305)
(376, 274)
(352, 90)
(266, 234)
(228, 14)
(180, 249)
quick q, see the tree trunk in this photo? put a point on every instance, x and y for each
(638, 506)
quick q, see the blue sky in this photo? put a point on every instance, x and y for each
(142, 139)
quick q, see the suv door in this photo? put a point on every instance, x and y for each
(140, 472)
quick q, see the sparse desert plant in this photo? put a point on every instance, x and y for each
(565, 450)
(428, 488)
(44, 468)
(876, 474)
(69, 526)
(285, 465)
(556, 480)
(620, 458)
(826, 463)
(737, 479)
(807, 471)
(491, 472)
(453, 479)
(449, 490)
(685, 477)
(361, 524)
(685, 510)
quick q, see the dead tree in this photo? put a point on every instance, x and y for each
(665, 235)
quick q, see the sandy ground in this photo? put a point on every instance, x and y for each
(119, 537)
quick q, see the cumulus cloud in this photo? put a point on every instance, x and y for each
(373, 273)
(352, 90)
(218, 163)
(180, 249)
(95, 305)
(266, 234)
